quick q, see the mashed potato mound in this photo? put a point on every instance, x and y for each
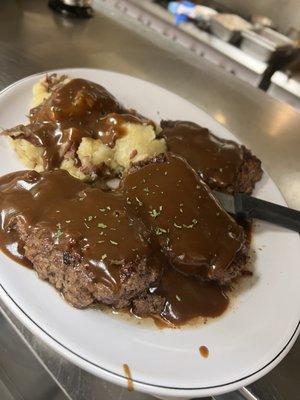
(30, 155)
(43, 88)
(138, 142)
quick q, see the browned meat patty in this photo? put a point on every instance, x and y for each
(82, 241)
(223, 164)
(187, 224)
(159, 238)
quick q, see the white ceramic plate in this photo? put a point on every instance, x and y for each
(246, 343)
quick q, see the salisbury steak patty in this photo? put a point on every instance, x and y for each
(79, 238)
(66, 271)
(186, 223)
(223, 164)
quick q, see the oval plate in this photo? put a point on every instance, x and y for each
(244, 344)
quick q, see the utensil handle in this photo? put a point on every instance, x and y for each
(250, 207)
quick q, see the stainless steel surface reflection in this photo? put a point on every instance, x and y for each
(33, 39)
(21, 375)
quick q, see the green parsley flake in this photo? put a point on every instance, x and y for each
(58, 231)
(102, 209)
(100, 225)
(139, 201)
(188, 226)
(154, 213)
(160, 231)
(177, 226)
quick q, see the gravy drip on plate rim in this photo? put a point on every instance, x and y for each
(128, 375)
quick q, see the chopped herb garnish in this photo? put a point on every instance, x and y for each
(146, 189)
(177, 226)
(90, 218)
(100, 225)
(104, 256)
(154, 213)
(139, 201)
(195, 222)
(128, 200)
(160, 231)
(113, 242)
(102, 209)
(108, 208)
(188, 226)
(58, 231)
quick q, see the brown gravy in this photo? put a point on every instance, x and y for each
(204, 352)
(93, 222)
(128, 375)
(78, 109)
(161, 213)
(216, 160)
(188, 225)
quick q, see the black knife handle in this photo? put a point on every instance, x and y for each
(250, 207)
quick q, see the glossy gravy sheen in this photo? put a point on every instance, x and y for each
(216, 160)
(162, 213)
(92, 222)
(78, 109)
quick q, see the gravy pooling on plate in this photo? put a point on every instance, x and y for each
(187, 223)
(131, 248)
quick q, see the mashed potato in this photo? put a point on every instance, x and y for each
(138, 142)
(30, 155)
(42, 89)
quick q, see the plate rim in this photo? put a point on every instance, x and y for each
(112, 376)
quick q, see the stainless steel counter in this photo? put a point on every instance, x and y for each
(33, 39)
